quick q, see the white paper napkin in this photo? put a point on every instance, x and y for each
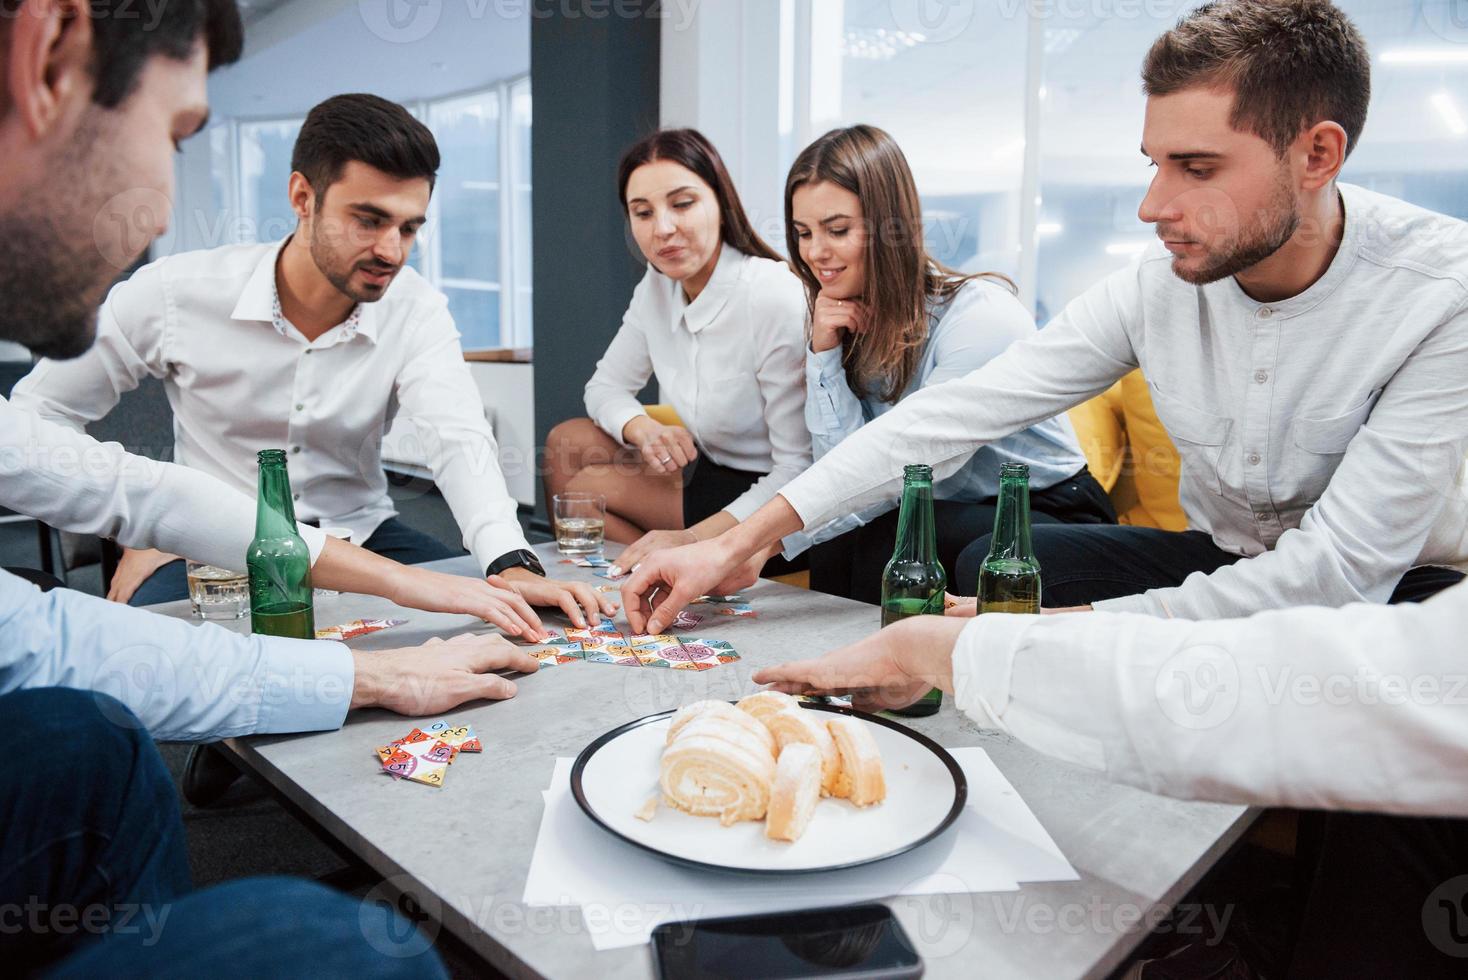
(625, 892)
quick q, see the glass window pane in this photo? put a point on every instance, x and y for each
(1417, 129)
(476, 313)
(468, 191)
(520, 241)
(953, 101)
(265, 173)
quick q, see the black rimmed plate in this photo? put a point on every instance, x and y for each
(615, 775)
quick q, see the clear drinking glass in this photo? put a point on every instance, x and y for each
(581, 522)
(218, 593)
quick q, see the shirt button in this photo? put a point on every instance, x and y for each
(295, 496)
(308, 350)
(1253, 459)
(295, 449)
(1261, 517)
(1261, 376)
(1264, 313)
(300, 407)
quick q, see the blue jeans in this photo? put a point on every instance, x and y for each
(1085, 563)
(94, 875)
(392, 539)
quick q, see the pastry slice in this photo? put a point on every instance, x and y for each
(720, 709)
(860, 779)
(713, 776)
(797, 725)
(766, 703)
(795, 792)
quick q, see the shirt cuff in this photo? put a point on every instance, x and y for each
(615, 420)
(306, 685)
(1142, 602)
(315, 539)
(983, 663)
(825, 366)
(497, 540)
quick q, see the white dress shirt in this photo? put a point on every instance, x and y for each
(241, 379)
(185, 682)
(731, 363)
(1320, 436)
(1363, 707)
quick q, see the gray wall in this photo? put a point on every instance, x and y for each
(595, 85)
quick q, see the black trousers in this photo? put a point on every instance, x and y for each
(1384, 897)
(851, 565)
(709, 487)
(1081, 565)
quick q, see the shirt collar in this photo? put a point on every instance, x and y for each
(260, 301)
(716, 292)
(1341, 264)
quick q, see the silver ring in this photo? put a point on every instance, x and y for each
(666, 459)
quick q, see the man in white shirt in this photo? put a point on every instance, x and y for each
(1306, 343)
(308, 344)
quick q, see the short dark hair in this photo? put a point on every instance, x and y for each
(368, 129)
(691, 149)
(125, 36)
(1290, 64)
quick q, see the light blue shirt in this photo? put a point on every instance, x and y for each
(976, 325)
(185, 682)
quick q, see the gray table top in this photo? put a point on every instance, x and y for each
(463, 851)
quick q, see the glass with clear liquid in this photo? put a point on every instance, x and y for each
(580, 523)
(218, 593)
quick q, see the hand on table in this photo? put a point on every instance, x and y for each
(569, 597)
(831, 319)
(890, 669)
(665, 448)
(136, 565)
(439, 675)
(667, 581)
(418, 588)
(650, 542)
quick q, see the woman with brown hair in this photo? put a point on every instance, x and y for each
(718, 320)
(886, 320)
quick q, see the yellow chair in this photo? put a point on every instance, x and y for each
(1130, 454)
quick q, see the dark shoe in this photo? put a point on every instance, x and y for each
(207, 775)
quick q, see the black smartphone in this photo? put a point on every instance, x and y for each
(855, 941)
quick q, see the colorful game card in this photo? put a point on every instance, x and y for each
(356, 628)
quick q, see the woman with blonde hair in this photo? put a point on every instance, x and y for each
(886, 320)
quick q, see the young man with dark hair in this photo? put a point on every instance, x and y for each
(309, 343)
(94, 877)
(1305, 342)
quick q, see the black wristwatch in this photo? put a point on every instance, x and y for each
(516, 559)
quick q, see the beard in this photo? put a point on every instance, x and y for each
(1252, 245)
(338, 272)
(54, 272)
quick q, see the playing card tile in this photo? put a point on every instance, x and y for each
(719, 599)
(356, 628)
(461, 737)
(686, 620)
(741, 609)
(608, 588)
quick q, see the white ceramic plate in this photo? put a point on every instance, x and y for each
(614, 776)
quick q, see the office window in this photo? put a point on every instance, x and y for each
(264, 170)
(476, 245)
(955, 108)
(966, 89)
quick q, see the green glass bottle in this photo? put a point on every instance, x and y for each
(913, 581)
(279, 563)
(1009, 578)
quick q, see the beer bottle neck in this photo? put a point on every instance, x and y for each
(1012, 521)
(916, 533)
(275, 514)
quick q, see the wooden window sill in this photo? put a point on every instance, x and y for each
(499, 355)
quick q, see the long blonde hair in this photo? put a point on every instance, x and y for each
(901, 279)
